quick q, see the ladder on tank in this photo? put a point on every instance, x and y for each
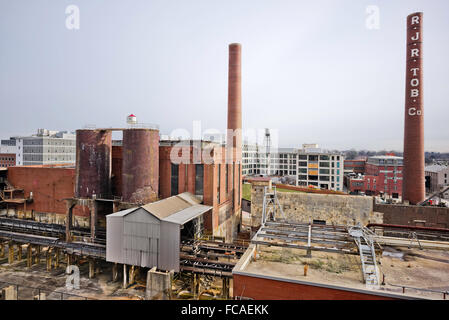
(365, 243)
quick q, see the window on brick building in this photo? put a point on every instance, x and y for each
(199, 175)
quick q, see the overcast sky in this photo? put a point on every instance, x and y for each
(310, 69)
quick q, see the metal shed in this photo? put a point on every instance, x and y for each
(150, 235)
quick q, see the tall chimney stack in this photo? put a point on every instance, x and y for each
(235, 100)
(413, 175)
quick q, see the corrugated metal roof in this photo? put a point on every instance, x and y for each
(177, 209)
(166, 207)
(122, 213)
(187, 214)
(190, 198)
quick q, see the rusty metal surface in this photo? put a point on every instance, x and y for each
(140, 169)
(93, 163)
(413, 172)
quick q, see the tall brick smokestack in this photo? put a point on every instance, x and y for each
(414, 181)
(235, 99)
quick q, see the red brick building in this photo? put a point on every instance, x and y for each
(383, 175)
(7, 160)
(355, 165)
(216, 182)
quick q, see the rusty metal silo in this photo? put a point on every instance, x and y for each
(93, 163)
(140, 169)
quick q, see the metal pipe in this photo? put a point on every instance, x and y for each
(398, 226)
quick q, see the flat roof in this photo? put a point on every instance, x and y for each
(385, 157)
(413, 268)
(435, 168)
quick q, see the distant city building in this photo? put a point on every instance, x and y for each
(437, 177)
(45, 147)
(8, 151)
(355, 165)
(319, 168)
(382, 176)
(7, 160)
(254, 160)
(310, 166)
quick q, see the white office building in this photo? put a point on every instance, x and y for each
(310, 165)
(45, 147)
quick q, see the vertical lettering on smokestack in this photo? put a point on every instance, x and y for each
(414, 181)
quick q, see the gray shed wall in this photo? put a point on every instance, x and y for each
(114, 236)
(140, 239)
(169, 246)
(141, 234)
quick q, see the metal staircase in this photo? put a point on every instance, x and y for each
(363, 238)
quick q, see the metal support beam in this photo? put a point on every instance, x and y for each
(125, 274)
(91, 268)
(131, 274)
(309, 242)
(11, 252)
(68, 222)
(29, 255)
(93, 220)
(37, 255)
(56, 258)
(19, 252)
(48, 259)
(114, 272)
(225, 288)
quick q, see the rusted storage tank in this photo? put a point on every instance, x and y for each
(93, 163)
(140, 169)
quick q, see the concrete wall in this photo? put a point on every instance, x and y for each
(413, 215)
(158, 285)
(303, 207)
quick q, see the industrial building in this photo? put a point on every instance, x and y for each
(131, 203)
(143, 202)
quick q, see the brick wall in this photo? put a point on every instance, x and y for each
(268, 289)
(414, 215)
(49, 186)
